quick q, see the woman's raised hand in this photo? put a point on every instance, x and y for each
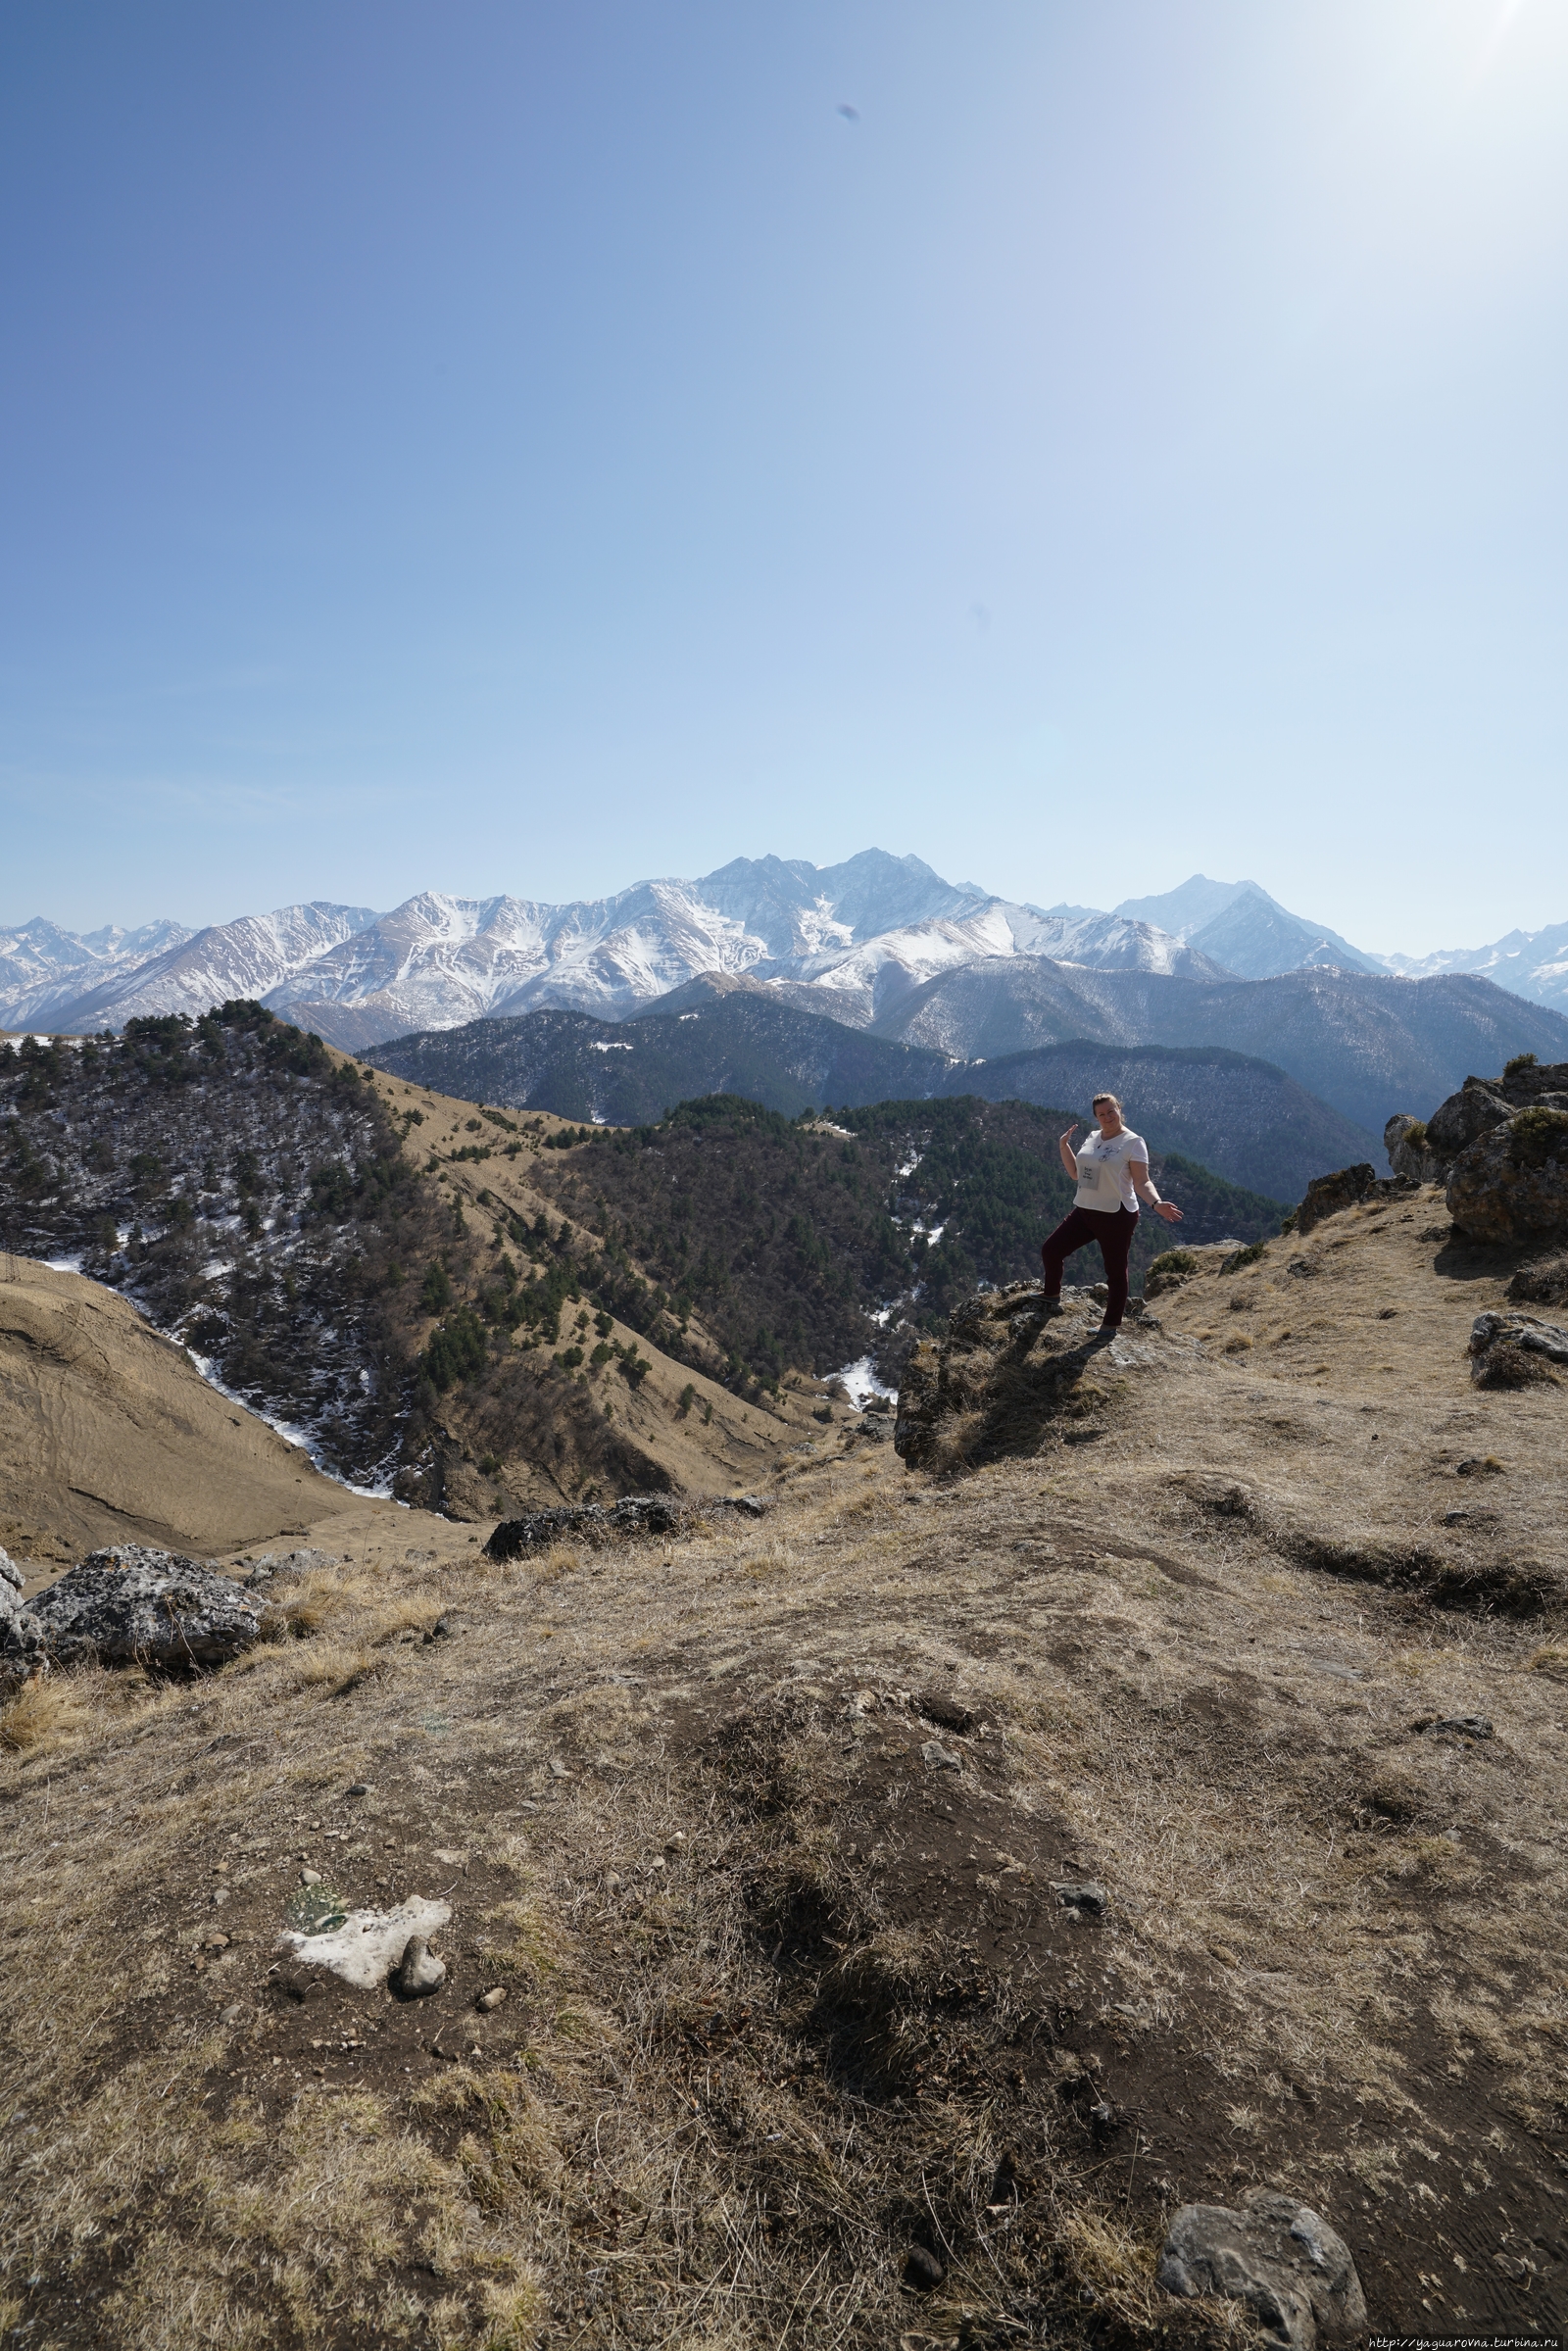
(1071, 1131)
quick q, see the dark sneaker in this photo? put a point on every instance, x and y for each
(1049, 1306)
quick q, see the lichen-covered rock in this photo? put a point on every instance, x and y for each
(1511, 1185)
(1286, 2263)
(1511, 1350)
(133, 1605)
(1464, 1118)
(1410, 1156)
(1425, 1149)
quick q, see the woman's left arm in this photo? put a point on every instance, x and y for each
(1138, 1169)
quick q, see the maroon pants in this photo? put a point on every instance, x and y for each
(1114, 1234)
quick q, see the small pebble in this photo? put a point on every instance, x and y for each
(361, 1788)
(307, 1877)
(491, 1999)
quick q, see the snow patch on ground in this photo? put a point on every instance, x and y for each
(377, 1489)
(863, 1383)
(369, 1944)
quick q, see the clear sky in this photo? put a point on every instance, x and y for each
(490, 446)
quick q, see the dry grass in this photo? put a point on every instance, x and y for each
(753, 2045)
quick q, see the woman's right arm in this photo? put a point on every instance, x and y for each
(1064, 1145)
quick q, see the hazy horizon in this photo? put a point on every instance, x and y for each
(506, 449)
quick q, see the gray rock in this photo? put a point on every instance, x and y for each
(133, 1605)
(1086, 1896)
(1467, 1725)
(923, 2270)
(419, 1972)
(1346, 1188)
(598, 1523)
(1464, 1118)
(489, 2001)
(1511, 1350)
(939, 1758)
(9, 1574)
(1510, 1187)
(1286, 2263)
(1404, 1139)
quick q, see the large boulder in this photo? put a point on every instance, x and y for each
(1510, 1185)
(130, 1605)
(1286, 2265)
(1479, 1105)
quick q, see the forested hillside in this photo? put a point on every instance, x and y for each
(251, 1193)
(1239, 1116)
(815, 1245)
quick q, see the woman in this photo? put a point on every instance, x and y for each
(1112, 1173)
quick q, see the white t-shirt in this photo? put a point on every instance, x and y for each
(1103, 1179)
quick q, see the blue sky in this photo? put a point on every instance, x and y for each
(492, 447)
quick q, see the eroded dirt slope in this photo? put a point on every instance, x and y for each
(765, 1835)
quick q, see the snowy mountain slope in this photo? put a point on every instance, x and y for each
(1528, 963)
(1368, 1044)
(245, 958)
(1246, 931)
(863, 934)
(44, 968)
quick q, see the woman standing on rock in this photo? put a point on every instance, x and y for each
(1112, 1173)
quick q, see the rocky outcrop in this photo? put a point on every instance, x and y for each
(1276, 2257)
(1006, 1376)
(1404, 1139)
(1346, 1188)
(134, 1606)
(1514, 1350)
(599, 1523)
(1544, 1283)
(1501, 1147)
(1511, 1185)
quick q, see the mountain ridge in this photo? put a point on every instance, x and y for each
(1239, 1116)
(863, 934)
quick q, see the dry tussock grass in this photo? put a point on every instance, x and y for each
(754, 2044)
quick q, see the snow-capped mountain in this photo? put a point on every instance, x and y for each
(1532, 964)
(858, 935)
(1247, 932)
(251, 958)
(851, 941)
(44, 969)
